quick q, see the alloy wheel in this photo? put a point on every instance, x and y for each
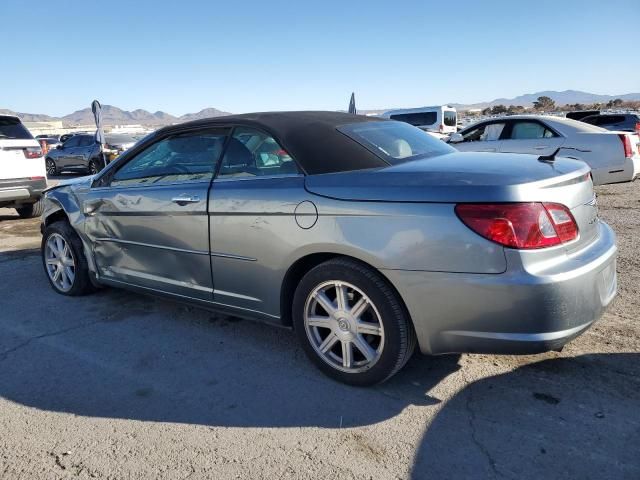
(51, 167)
(344, 327)
(60, 263)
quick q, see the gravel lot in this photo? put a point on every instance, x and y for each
(116, 385)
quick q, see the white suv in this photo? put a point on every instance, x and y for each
(22, 170)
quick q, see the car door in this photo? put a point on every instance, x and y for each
(253, 203)
(148, 218)
(84, 151)
(484, 137)
(530, 136)
(67, 153)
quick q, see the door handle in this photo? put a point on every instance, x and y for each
(540, 147)
(184, 199)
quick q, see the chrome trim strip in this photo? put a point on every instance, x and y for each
(156, 278)
(150, 245)
(233, 257)
(174, 249)
(236, 295)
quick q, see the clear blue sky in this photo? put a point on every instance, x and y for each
(239, 56)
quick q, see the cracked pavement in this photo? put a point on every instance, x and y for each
(117, 385)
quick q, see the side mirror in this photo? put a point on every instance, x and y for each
(456, 138)
(60, 147)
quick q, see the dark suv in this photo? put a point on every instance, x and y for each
(78, 153)
(626, 122)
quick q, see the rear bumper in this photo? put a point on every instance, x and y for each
(21, 190)
(517, 312)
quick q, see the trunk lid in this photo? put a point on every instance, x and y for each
(473, 178)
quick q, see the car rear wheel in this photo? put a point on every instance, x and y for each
(64, 261)
(51, 167)
(31, 210)
(351, 323)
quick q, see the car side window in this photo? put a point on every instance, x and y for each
(185, 157)
(530, 131)
(484, 133)
(252, 153)
(72, 142)
(86, 141)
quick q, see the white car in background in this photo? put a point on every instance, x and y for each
(613, 156)
(439, 121)
(22, 170)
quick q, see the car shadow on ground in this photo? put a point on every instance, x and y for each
(122, 355)
(560, 418)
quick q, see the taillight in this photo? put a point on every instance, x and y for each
(32, 152)
(520, 225)
(626, 141)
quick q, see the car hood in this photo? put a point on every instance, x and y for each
(455, 177)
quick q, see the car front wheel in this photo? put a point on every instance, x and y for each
(64, 261)
(351, 323)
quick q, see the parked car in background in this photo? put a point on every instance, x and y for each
(364, 235)
(580, 114)
(116, 144)
(79, 153)
(439, 120)
(621, 122)
(612, 157)
(57, 137)
(48, 143)
(66, 136)
(22, 172)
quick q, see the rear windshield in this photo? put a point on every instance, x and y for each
(450, 118)
(13, 128)
(418, 119)
(396, 142)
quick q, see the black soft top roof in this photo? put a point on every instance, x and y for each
(310, 137)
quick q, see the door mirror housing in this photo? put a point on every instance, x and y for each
(456, 138)
(60, 147)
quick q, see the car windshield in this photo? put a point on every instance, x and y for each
(396, 142)
(12, 128)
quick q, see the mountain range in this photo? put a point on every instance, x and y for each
(115, 116)
(566, 97)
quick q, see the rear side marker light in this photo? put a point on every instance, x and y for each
(32, 152)
(520, 225)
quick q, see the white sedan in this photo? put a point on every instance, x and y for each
(612, 156)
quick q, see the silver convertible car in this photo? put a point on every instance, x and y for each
(366, 236)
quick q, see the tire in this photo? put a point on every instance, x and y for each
(31, 210)
(384, 325)
(80, 284)
(94, 166)
(51, 167)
